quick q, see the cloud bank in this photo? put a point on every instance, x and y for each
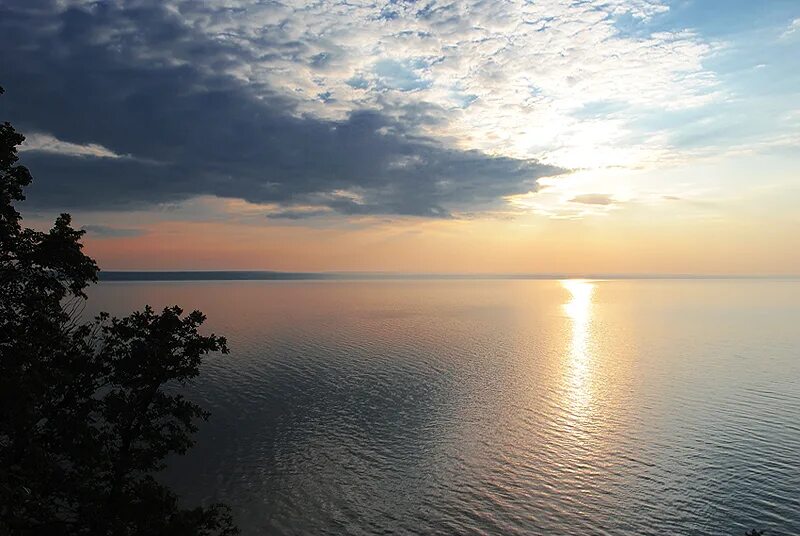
(138, 79)
(433, 109)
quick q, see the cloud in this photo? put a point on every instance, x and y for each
(104, 231)
(793, 28)
(298, 214)
(593, 199)
(50, 144)
(508, 78)
(137, 78)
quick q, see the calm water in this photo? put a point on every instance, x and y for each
(495, 407)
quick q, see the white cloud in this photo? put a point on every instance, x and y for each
(793, 28)
(513, 78)
(559, 81)
(50, 144)
(593, 199)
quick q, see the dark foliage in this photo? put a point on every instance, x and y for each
(88, 412)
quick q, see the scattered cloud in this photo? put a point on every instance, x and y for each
(509, 78)
(105, 231)
(593, 199)
(793, 28)
(298, 213)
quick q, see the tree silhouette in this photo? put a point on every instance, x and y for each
(88, 412)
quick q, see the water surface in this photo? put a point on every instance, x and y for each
(494, 407)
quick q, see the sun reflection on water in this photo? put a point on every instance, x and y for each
(579, 361)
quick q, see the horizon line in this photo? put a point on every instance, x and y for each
(274, 275)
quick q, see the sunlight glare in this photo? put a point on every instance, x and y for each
(579, 311)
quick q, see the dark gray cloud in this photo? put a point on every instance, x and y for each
(104, 231)
(593, 199)
(297, 214)
(134, 78)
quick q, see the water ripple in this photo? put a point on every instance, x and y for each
(496, 407)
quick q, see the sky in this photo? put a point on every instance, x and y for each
(550, 136)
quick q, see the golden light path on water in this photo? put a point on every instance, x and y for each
(579, 360)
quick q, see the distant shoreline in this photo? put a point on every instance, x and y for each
(255, 275)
